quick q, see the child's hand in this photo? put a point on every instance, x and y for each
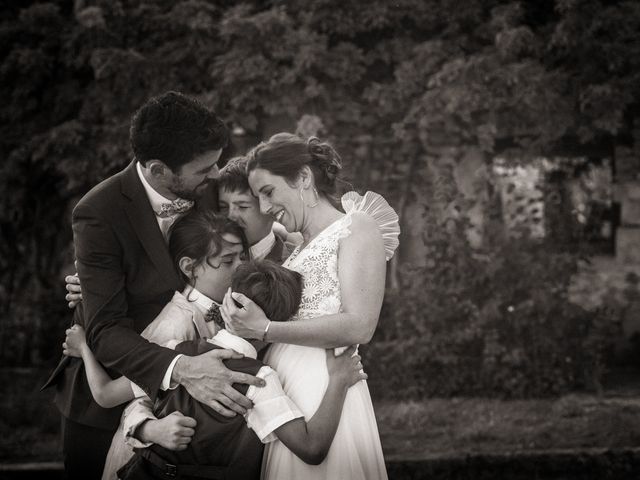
(74, 342)
(173, 432)
(346, 367)
(72, 284)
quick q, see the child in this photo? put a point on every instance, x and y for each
(208, 249)
(238, 203)
(266, 239)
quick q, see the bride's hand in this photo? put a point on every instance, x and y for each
(74, 342)
(247, 321)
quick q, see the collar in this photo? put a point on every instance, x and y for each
(226, 339)
(262, 248)
(155, 199)
(198, 298)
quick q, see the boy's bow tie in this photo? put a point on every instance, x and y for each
(214, 315)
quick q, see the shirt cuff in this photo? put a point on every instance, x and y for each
(271, 406)
(136, 414)
(286, 411)
(137, 391)
(167, 384)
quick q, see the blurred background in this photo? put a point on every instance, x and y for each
(506, 134)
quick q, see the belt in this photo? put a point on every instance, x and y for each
(170, 470)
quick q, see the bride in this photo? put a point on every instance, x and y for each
(342, 260)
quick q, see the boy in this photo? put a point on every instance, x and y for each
(238, 203)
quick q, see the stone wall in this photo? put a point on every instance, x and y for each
(617, 278)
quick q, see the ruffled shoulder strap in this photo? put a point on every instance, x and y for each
(377, 207)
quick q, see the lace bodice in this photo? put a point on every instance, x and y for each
(317, 262)
(318, 265)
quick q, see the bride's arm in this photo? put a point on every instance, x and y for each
(361, 270)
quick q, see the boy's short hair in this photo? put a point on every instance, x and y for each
(274, 288)
(233, 177)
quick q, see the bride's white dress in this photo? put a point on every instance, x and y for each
(356, 452)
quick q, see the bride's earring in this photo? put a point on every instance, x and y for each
(315, 192)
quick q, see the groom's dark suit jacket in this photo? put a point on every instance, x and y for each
(127, 277)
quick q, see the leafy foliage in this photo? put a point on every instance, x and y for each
(404, 89)
(491, 321)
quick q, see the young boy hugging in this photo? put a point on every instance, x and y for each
(223, 447)
(238, 203)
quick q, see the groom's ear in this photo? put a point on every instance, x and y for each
(158, 168)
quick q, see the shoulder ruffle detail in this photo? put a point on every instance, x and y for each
(379, 209)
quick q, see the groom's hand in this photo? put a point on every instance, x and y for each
(208, 380)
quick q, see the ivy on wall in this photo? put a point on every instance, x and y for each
(404, 89)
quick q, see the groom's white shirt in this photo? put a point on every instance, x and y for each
(156, 200)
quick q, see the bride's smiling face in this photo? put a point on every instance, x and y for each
(278, 198)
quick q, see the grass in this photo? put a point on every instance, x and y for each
(429, 429)
(439, 428)
(29, 422)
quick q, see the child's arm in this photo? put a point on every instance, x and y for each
(311, 440)
(106, 391)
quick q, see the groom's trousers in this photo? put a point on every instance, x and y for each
(85, 449)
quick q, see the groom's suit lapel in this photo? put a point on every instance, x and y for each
(144, 223)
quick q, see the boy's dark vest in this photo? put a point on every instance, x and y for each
(221, 448)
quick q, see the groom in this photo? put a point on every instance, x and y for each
(127, 276)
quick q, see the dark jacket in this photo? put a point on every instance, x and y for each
(127, 277)
(221, 447)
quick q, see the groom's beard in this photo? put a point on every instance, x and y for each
(196, 193)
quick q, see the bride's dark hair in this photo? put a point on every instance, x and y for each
(285, 154)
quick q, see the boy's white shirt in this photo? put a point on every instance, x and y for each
(262, 248)
(258, 251)
(272, 408)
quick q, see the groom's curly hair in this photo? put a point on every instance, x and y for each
(274, 288)
(175, 129)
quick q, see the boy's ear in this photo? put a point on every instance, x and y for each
(186, 266)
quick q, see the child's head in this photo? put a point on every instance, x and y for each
(206, 249)
(238, 203)
(274, 288)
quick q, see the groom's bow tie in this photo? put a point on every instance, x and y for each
(179, 205)
(214, 315)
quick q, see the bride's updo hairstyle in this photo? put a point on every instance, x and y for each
(285, 154)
